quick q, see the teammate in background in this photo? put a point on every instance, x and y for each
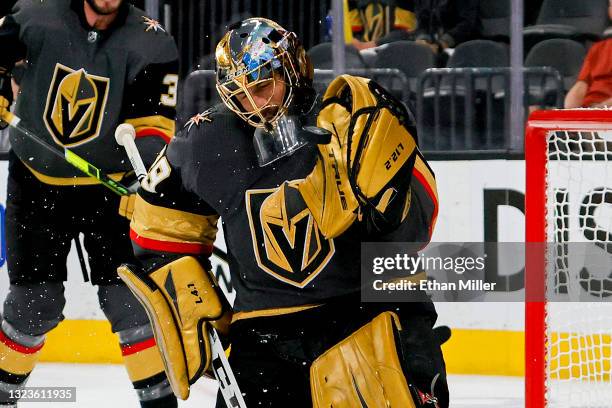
(444, 24)
(593, 88)
(294, 212)
(90, 65)
(377, 22)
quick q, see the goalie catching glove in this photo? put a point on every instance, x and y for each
(182, 301)
(365, 171)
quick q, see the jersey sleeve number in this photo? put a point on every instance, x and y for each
(171, 81)
(159, 171)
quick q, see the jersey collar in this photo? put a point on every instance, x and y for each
(77, 7)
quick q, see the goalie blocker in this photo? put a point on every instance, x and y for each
(181, 299)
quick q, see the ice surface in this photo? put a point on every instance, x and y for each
(108, 386)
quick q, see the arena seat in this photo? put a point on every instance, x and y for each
(564, 55)
(480, 53)
(321, 56)
(575, 19)
(455, 113)
(495, 19)
(407, 56)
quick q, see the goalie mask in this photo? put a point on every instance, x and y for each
(265, 77)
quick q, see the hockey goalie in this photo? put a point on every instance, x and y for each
(298, 182)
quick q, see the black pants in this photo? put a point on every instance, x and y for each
(271, 356)
(42, 220)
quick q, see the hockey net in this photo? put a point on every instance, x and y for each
(568, 331)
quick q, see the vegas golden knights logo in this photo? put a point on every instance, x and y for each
(75, 105)
(287, 242)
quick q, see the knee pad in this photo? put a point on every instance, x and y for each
(121, 308)
(34, 309)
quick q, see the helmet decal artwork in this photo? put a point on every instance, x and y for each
(255, 53)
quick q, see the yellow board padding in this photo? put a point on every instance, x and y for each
(485, 352)
(469, 351)
(82, 341)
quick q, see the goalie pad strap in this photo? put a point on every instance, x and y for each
(362, 370)
(181, 299)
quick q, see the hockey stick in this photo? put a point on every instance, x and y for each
(68, 155)
(125, 135)
(88, 168)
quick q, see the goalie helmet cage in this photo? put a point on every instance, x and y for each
(568, 157)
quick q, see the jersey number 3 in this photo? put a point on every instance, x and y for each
(169, 99)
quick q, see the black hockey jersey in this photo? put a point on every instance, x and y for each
(80, 84)
(372, 20)
(210, 170)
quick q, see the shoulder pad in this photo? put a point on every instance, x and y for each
(24, 10)
(142, 31)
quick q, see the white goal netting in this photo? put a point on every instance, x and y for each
(579, 268)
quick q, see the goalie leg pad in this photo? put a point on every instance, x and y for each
(181, 299)
(362, 370)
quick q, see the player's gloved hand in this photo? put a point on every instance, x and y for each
(365, 170)
(6, 95)
(182, 301)
(126, 206)
(126, 203)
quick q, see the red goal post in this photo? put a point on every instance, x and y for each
(582, 130)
